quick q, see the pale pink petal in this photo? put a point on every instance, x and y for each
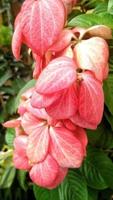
(66, 148)
(68, 52)
(45, 173)
(91, 99)
(82, 137)
(31, 124)
(92, 54)
(21, 110)
(17, 41)
(100, 31)
(12, 123)
(58, 75)
(21, 162)
(66, 106)
(63, 41)
(37, 66)
(38, 113)
(20, 144)
(43, 101)
(60, 177)
(106, 71)
(38, 140)
(69, 125)
(38, 144)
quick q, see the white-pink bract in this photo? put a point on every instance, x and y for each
(92, 54)
(38, 25)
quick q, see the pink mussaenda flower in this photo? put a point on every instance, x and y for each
(46, 173)
(64, 90)
(38, 25)
(42, 141)
(44, 132)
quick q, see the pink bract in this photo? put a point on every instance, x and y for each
(38, 25)
(76, 91)
(43, 135)
(43, 139)
(69, 4)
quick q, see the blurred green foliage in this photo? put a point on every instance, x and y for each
(5, 35)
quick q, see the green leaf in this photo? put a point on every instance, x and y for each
(18, 84)
(74, 187)
(108, 92)
(88, 20)
(10, 109)
(110, 6)
(101, 8)
(102, 136)
(5, 77)
(9, 136)
(90, 4)
(6, 179)
(21, 175)
(44, 194)
(5, 35)
(98, 169)
(92, 194)
(73, 14)
(109, 118)
(29, 85)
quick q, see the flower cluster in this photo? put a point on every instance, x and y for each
(70, 66)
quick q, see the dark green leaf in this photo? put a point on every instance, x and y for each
(18, 84)
(7, 177)
(22, 179)
(90, 4)
(10, 109)
(73, 14)
(5, 77)
(109, 118)
(44, 194)
(98, 169)
(108, 91)
(92, 194)
(74, 187)
(102, 136)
